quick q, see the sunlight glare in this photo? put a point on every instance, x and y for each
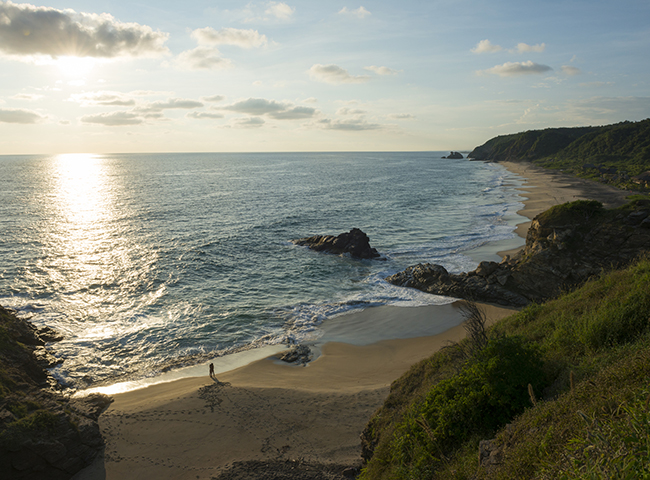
(75, 67)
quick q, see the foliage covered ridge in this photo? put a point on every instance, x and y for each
(615, 154)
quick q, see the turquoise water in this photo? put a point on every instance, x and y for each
(151, 261)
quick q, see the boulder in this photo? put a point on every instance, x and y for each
(355, 243)
(455, 156)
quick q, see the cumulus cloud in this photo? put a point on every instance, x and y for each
(170, 104)
(381, 70)
(202, 58)
(113, 119)
(279, 10)
(335, 75)
(360, 12)
(525, 48)
(350, 111)
(102, 98)
(274, 109)
(484, 46)
(294, 113)
(229, 36)
(207, 57)
(511, 69)
(247, 122)
(570, 70)
(256, 106)
(19, 115)
(27, 30)
(401, 116)
(214, 98)
(349, 125)
(204, 115)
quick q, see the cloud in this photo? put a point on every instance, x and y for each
(360, 12)
(214, 98)
(19, 115)
(381, 70)
(525, 48)
(294, 113)
(113, 119)
(204, 115)
(335, 75)
(350, 111)
(29, 30)
(511, 69)
(280, 10)
(246, 122)
(256, 106)
(103, 98)
(230, 36)
(30, 97)
(349, 125)
(170, 104)
(277, 110)
(401, 116)
(570, 70)
(202, 58)
(484, 46)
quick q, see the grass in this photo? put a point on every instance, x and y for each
(586, 356)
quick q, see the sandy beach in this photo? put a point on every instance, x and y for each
(195, 428)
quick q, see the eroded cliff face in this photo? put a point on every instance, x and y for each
(44, 434)
(565, 246)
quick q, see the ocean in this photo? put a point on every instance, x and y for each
(149, 262)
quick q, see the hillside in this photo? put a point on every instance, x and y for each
(614, 154)
(558, 390)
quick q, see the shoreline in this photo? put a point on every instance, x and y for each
(195, 428)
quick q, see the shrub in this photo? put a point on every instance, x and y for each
(488, 393)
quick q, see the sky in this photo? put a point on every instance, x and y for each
(109, 76)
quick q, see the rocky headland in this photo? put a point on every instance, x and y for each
(44, 434)
(354, 243)
(565, 246)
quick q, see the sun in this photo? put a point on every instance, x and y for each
(75, 67)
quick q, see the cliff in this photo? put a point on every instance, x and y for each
(44, 434)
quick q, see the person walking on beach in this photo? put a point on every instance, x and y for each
(211, 370)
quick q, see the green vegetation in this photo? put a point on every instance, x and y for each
(612, 154)
(562, 387)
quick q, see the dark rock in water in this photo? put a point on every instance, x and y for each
(299, 354)
(455, 156)
(565, 246)
(355, 243)
(43, 434)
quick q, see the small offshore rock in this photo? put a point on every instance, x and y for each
(355, 243)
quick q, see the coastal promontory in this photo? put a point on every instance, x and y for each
(44, 434)
(565, 246)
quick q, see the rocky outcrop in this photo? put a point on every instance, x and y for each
(43, 433)
(355, 243)
(455, 156)
(300, 354)
(565, 246)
